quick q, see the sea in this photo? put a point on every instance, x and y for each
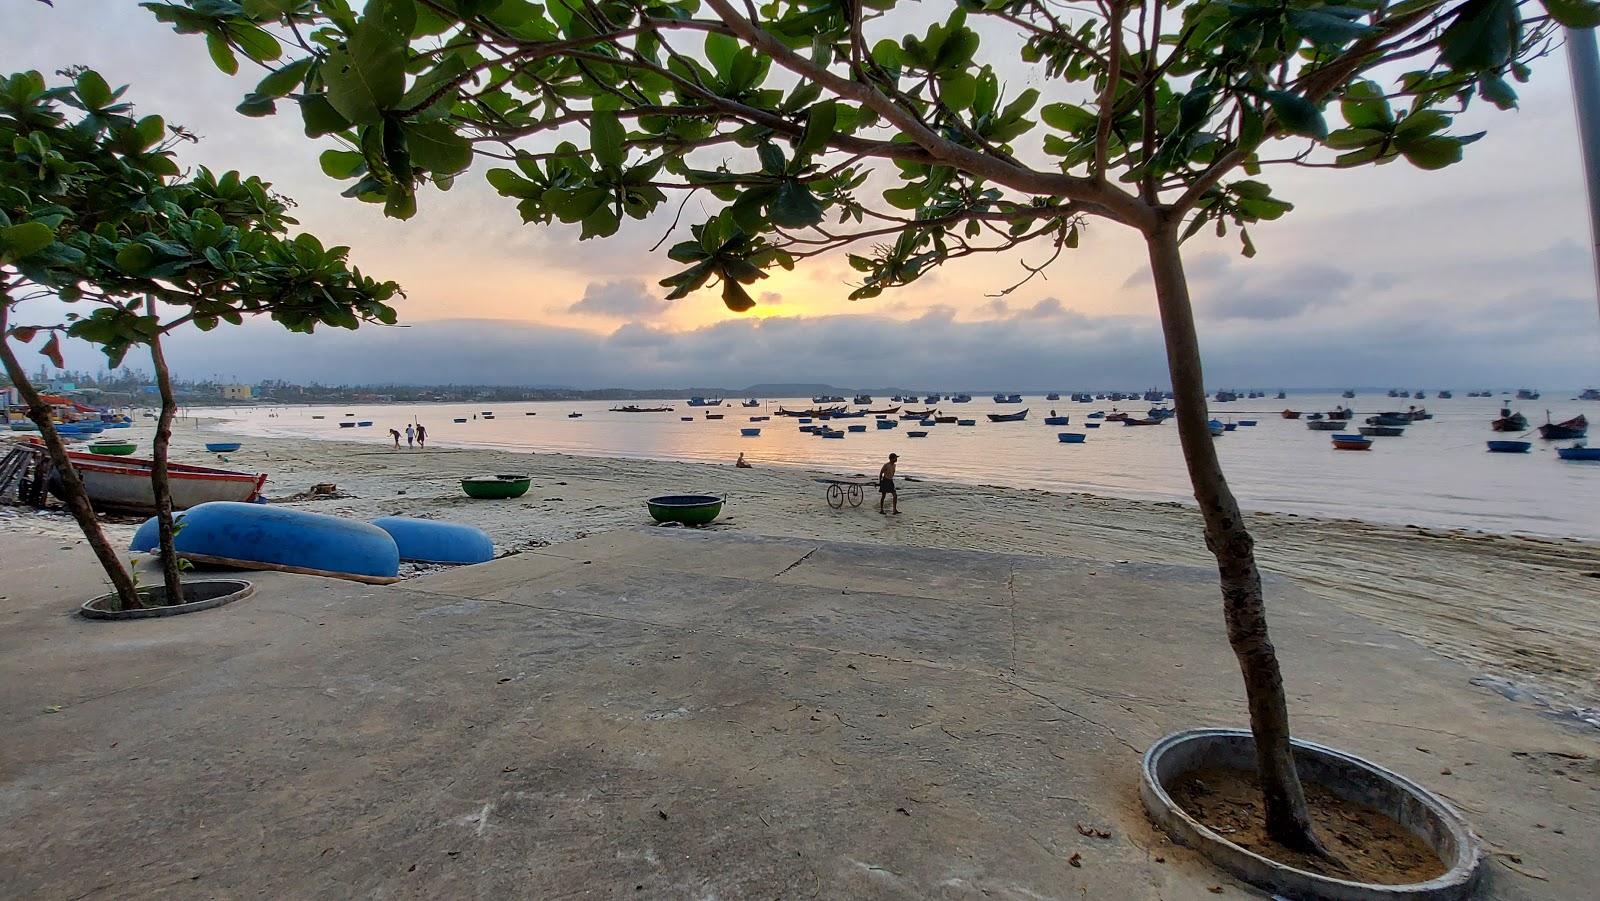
(1437, 475)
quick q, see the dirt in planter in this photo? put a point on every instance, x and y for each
(1371, 846)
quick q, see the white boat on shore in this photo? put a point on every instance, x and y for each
(122, 484)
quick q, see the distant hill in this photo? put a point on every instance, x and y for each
(794, 389)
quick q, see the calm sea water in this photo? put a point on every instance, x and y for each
(1437, 474)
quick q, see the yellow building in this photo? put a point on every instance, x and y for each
(236, 392)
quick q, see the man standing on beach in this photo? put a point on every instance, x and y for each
(886, 485)
(422, 436)
(411, 436)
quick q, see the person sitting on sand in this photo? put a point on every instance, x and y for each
(740, 463)
(886, 485)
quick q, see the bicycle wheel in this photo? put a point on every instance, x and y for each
(855, 495)
(835, 497)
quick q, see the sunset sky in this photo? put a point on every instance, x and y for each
(1478, 275)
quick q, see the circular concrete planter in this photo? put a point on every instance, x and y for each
(1351, 778)
(198, 596)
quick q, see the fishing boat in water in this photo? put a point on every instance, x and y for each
(705, 402)
(1290, 414)
(1576, 427)
(630, 408)
(1324, 425)
(1578, 452)
(1382, 431)
(752, 402)
(1008, 398)
(122, 484)
(1510, 447)
(1352, 442)
(1018, 416)
(886, 411)
(1509, 421)
(1055, 420)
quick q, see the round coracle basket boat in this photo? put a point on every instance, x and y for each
(688, 509)
(199, 595)
(499, 487)
(113, 448)
(1413, 809)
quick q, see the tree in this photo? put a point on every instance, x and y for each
(93, 211)
(823, 126)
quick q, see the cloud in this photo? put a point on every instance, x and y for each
(1048, 308)
(996, 309)
(1273, 293)
(769, 299)
(623, 299)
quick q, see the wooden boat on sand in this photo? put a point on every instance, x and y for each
(122, 484)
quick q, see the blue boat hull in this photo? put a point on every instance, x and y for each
(257, 536)
(426, 541)
(1579, 453)
(1071, 437)
(1055, 420)
(1510, 447)
(750, 433)
(223, 447)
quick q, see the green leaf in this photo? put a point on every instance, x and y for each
(18, 241)
(1350, 138)
(772, 161)
(958, 90)
(401, 202)
(606, 135)
(436, 147)
(1574, 13)
(284, 80)
(1324, 28)
(734, 296)
(320, 117)
(367, 76)
(256, 105)
(255, 43)
(1433, 152)
(135, 259)
(1296, 114)
(342, 163)
(93, 90)
(905, 197)
(149, 131)
(720, 50)
(794, 206)
(1364, 105)
(820, 122)
(1484, 35)
(221, 54)
(1067, 117)
(1497, 91)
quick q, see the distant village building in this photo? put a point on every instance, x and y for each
(236, 392)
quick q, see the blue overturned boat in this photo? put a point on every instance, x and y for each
(1071, 437)
(1510, 447)
(223, 447)
(427, 541)
(1091, 425)
(258, 536)
(750, 433)
(1055, 420)
(856, 428)
(888, 423)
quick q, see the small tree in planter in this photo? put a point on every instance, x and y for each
(93, 211)
(823, 127)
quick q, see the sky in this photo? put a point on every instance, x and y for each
(1479, 275)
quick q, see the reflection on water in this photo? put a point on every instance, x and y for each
(1438, 474)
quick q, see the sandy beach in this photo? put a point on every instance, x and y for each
(1520, 612)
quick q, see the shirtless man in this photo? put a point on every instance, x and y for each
(886, 485)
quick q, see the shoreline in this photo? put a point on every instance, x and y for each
(1520, 611)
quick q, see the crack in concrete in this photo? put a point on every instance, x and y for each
(1011, 608)
(1076, 715)
(796, 563)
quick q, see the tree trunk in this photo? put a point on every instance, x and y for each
(77, 499)
(170, 574)
(1229, 541)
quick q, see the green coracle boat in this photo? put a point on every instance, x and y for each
(496, 487)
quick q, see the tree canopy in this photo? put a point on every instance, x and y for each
(94, 210)
(911, 134)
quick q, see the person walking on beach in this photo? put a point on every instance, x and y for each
(886, 485)
(411, 436)
(396, 434)
(422, 436)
